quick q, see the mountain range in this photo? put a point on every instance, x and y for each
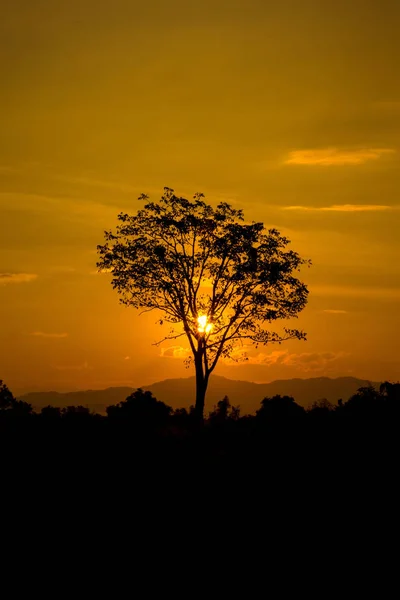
(180, 393)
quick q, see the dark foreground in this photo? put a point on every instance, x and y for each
(326, 450)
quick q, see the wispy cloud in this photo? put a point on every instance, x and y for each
(101, 271)
(6, 278)
(175, 352)
(306, 361)
(43, 334)
(342, 208)
(334, 311)
(335, 156)
(384, 293)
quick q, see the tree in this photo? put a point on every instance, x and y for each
(142, 407)
(321, 407)
(366, 401)
(391, 392)
(279, 408)
(7, 399)
(50, 412)
(224, 411)
(217, 278)
(9, 403)
(76, 412)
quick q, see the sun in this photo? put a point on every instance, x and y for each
(203, 325)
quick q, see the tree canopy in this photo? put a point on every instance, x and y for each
(217, 279)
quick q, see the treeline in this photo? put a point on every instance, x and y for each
(281, 447)
(141, 408)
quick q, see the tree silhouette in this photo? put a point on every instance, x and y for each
(321, 407)
(224, 411)
(6, 397)
(366, 401)
(216, 278)
(391, 392)
(142, 407)
(279, 408)
(76, 412)
(9, 403)
(50, 412)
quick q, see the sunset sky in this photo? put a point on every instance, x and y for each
(287, 109)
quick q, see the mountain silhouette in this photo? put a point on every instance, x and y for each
(180, 393)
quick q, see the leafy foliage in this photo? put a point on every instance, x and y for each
(224, 411)
(9, 403)
(6, 397)
(187, 260)
(162, 257)
(279, 407)
(142, 407)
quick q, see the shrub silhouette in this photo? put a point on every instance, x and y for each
(76, 412)
(279, 408)
(50, 412)
(367, 401)
(391, 393)
(223, 412)
(321, 408)
(141, 407)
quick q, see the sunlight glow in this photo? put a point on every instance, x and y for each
(203, 325)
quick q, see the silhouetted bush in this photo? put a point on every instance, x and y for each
(76, 412)
(321, 408)
(367, 401)
(279, 408)
(50, 412)
(141, 408)
(391, 394)
(223, 412)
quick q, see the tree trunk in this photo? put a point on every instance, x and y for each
(201, 388)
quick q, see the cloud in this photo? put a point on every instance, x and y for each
(335, 157)
(334, 311)
(49, 335)
(342, 208)
(101, 271)
(305, 362)
(355, 291)
(273, 358)
(313, 361)
(175, 352)
(16, 278)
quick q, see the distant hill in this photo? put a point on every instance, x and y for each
(96, 400)
(180, 393)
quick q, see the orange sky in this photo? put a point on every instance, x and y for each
(289, 110)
